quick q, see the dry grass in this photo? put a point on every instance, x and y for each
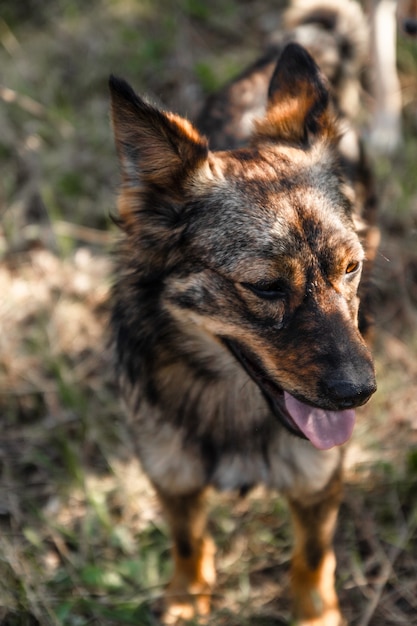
(82, 540)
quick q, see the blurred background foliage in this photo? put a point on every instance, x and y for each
(82, 540)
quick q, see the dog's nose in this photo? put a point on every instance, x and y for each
(347, 395)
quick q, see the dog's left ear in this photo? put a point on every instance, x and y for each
(299, 108)
(156, 149)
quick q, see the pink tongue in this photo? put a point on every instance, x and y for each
(324, 429)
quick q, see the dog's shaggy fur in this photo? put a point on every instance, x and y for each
(235, 319)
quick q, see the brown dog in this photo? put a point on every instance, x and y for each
(235, 322)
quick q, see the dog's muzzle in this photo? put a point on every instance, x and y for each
(326, 426)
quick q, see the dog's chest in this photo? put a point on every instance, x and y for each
(225, 438)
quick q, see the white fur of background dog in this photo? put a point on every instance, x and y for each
(386, 18)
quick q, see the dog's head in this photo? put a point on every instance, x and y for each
(255, 247)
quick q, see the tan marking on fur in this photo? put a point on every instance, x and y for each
(127, 202)
(314, 523)
(205, 175)
(213, 325)
(189, 591)
(285, 121)
(316, 599)
(185, 127)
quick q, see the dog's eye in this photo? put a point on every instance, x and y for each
(276, 290)
(353, 267)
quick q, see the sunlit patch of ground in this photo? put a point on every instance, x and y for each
(82, 533)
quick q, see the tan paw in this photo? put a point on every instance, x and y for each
(331, 617)
(182, 607)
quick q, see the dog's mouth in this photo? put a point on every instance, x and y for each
(323, 428)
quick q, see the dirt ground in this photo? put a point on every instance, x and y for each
(82, 540)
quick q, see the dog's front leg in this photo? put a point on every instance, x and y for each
(189, 592)
(313, 562)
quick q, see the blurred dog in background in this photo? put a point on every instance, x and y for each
(387, 17)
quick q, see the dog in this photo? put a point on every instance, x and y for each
(235, 321)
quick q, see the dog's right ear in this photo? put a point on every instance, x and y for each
(155, 148)
(299, 107)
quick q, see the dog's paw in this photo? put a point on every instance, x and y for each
(331, 617)
(181, 608)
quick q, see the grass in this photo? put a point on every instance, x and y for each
(82, 539)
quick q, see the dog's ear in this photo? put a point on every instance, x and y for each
(299, 107)
(155, 148)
